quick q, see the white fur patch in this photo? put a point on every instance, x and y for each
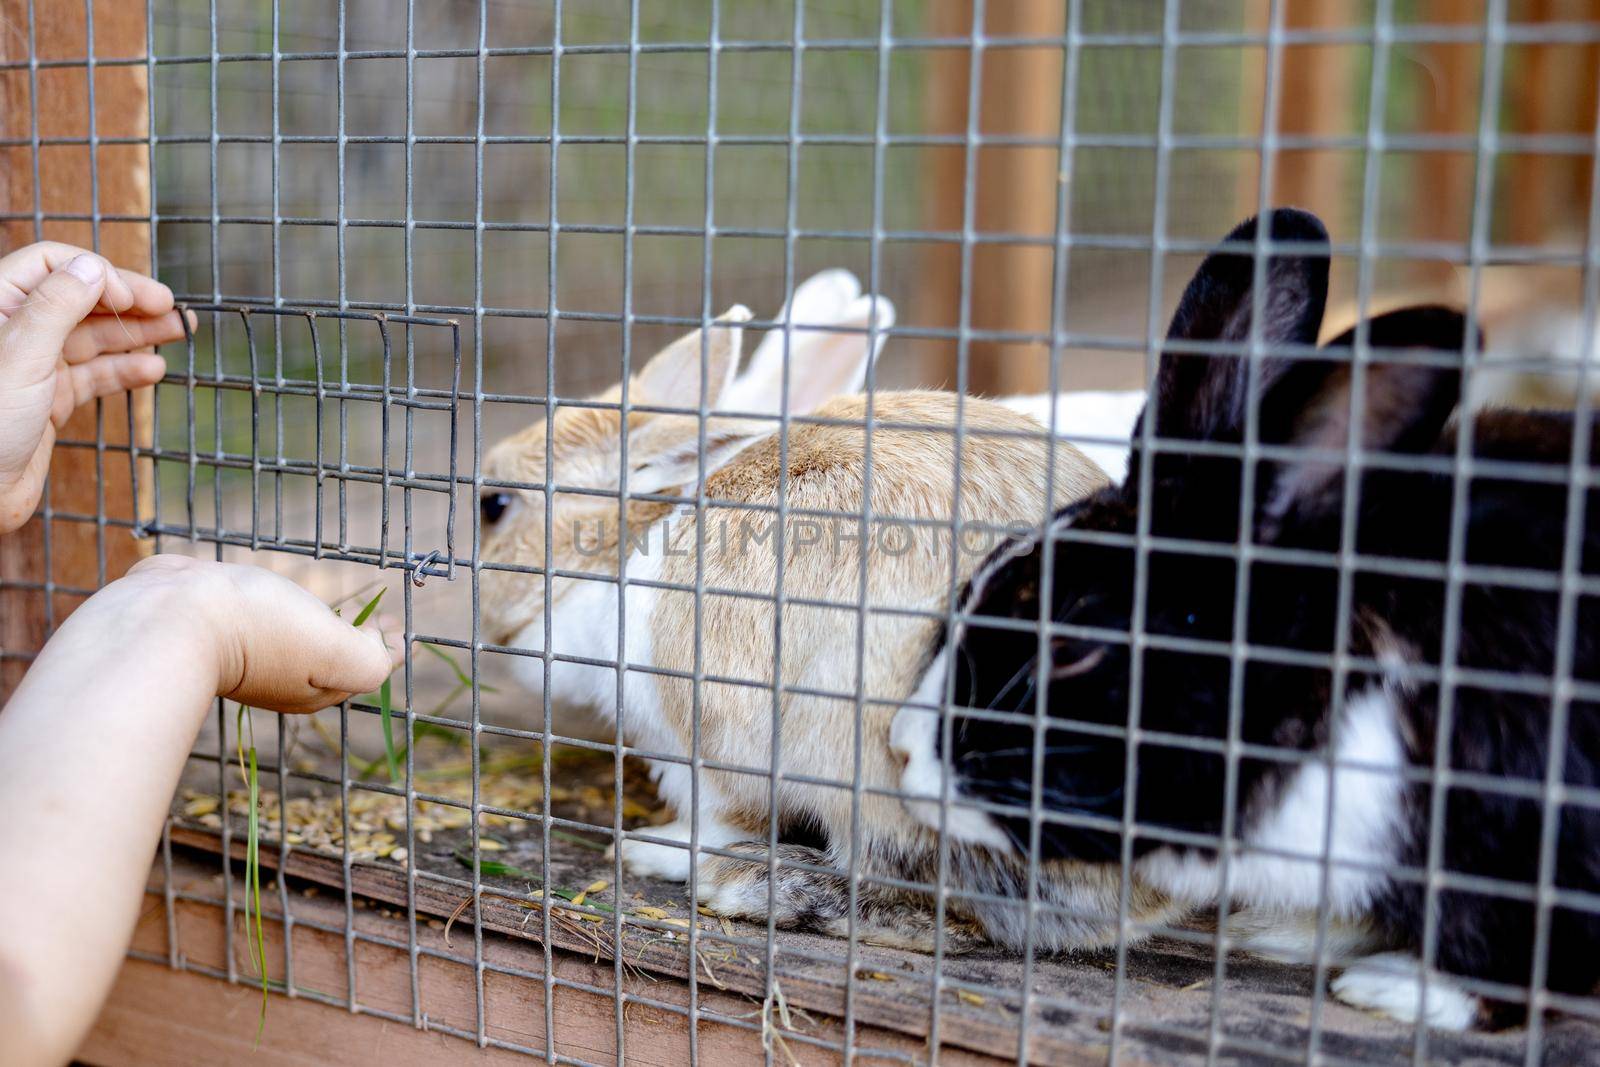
(1366, 823)
(913, 737)
(1107, 415)
(1292, 937)
(585, 624)
(1390, 983)
(671, 862)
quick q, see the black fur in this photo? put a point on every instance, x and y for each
(1301, 397)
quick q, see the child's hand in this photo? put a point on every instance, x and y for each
(70, 331)
(277, 646)
(115, 699)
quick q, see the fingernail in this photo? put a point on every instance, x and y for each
(87, 268)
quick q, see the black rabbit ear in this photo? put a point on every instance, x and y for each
(1202, 396)
(1407, 400)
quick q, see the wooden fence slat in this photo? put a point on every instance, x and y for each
(81, 553)
(1009, 285)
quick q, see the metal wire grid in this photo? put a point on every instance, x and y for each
(1494, 34)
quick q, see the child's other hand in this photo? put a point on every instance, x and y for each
(277, 646)
(71, 329)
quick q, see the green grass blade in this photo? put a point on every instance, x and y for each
(418, 732)
(251, 845)
(363, 591)
(255, 888)
(244, 726)
(462, 677)
(366, 612)
(576, 839)
(386, 709)
(391, 756)
(496, 869)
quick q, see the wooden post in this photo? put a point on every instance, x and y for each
(1552, 90)
(1588, 83)
(1532, 107)
(77, 546)
(1448, 104)
(1009, 284)
(1315, 84)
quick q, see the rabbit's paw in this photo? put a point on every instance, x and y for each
(649, 860)
(811, 893)
(1390, 983)
(669, 862)
(736, 886)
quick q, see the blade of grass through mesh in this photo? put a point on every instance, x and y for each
(497, 869)
(386, 709)
(391, 756)
(463, 685)
(462, 677)
(252, 860)
(366, 612)
(419, 731)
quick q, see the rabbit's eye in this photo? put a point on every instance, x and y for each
(492, 506)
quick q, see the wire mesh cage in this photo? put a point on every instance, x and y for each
(810, 705)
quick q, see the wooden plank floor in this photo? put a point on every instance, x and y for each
(160, 1016)
(1166, 1006)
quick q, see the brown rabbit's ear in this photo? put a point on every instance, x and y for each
(673, 376)
(835, 336)
(665, 453)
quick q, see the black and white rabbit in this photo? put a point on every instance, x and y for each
(1373, 819)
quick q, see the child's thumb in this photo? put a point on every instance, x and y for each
(33, 335)
(366, 657)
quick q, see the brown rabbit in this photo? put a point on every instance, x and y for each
(729, 550)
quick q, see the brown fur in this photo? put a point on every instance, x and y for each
(1002, 480)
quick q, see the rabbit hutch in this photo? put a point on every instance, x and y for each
(412, 230)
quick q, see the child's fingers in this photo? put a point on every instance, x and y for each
(142, 293)
(388, 631)
(352, 660)
(282, 648)
(118, 295)
(109, 376)
(32, 338)
(24, 270)
(110, 333)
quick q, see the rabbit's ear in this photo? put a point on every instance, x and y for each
(830, 346)
(821, 298)
(665, 453)
(1203, 396)
(1407, 399)
(672, 377)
